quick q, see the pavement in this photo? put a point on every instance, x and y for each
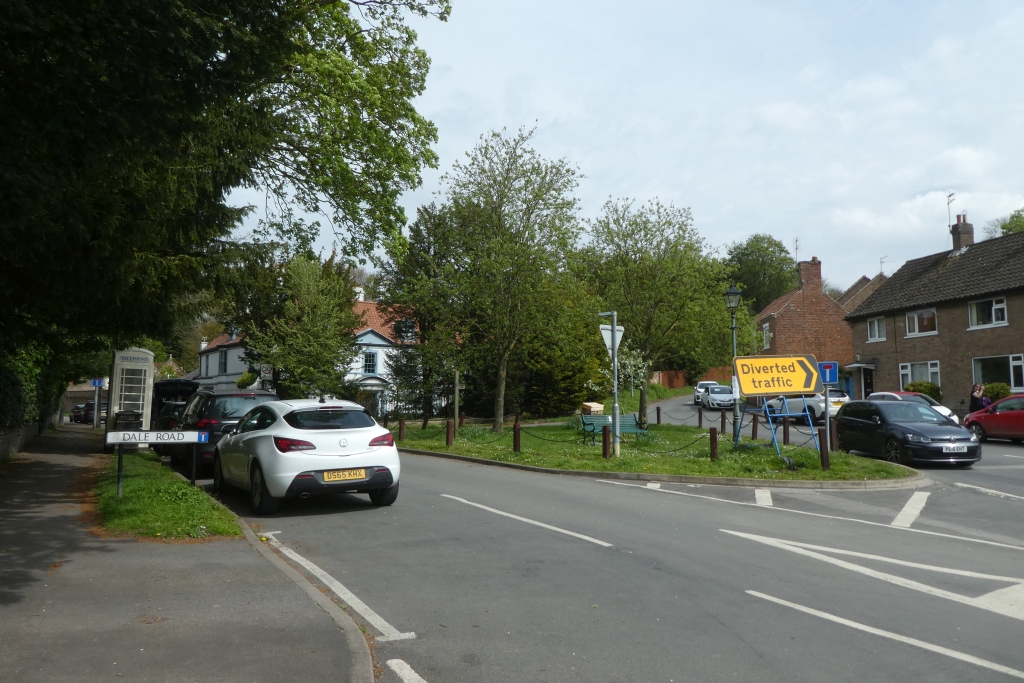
(75, 606)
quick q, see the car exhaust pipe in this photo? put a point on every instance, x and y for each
(304, 495)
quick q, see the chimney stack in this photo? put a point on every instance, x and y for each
(810, 274)
(202, 344)
(963, 232)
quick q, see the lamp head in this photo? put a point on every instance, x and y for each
(732, 297)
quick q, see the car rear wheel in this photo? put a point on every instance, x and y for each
(384, 496)
(978, 431)
(839, 443)
(894, 452)
(262, 502)
(218, 474)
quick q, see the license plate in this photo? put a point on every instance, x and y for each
(837, 404)
(954, 449)
(344, 475)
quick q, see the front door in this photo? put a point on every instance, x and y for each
(869, 382)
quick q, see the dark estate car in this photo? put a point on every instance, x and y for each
(905, 432)
(89, 411)
(76, 413)
(1004, 419)
(214, 412)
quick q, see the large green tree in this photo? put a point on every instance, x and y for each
(649, 264)
(764, 269)
(1005, 225)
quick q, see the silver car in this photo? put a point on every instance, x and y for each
(718, 397)
(300, 448)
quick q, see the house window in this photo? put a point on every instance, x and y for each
(369, 363)
(921, 323)
(766, 336)
(222, 363)
(1005, 369)
(206, 360)
(987, 313)
(876, 329)
(919, 372)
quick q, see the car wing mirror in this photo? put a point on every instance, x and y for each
(877, 420)
(228, 429)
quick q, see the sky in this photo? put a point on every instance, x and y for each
(841, 124)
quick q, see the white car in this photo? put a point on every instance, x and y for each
(916, 398)
(299, 448)
(718, 397)
(815, 403)
(701, 388)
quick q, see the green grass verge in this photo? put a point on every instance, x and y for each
(156, 503)
(656, 392)
(562, 448)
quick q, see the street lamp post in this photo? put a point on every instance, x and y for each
(732, 302)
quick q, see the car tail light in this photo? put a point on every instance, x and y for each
(285, 444)
(383, 440)
(207, 422)
(172, 423)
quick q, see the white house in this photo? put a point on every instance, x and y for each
(221, 362)
(376, 340)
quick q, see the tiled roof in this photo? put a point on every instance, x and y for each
(988, 267)
(376, 319)
(224, 339)
(777, 305)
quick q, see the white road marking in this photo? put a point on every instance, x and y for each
(388, 631)
(653, 485)
(818, 514)
(991, 492)
(530, 521)
(405, 671)
(938, 649)
(912, 510)
(997, 601)
(763, 497)
(1007, 455)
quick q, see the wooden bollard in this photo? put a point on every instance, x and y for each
(658, 410)
(825, 464)
(462, 419)
(401, 429)
(835, 434)
(714, 444)
(606, 441)
(722, 428)
(516, 436)
(700, 417)
(753, 428)
(449, 435)
(785, 431)
(518, 416)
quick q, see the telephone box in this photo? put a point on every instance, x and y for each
(131, 384)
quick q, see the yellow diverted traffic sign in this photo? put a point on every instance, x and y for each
(777, 375)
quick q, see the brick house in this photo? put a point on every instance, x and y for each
(806, 320)
(952, 318)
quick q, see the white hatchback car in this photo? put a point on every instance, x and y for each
(700, 389)
(299, 448)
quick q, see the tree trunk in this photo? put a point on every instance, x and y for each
(643, 397)
(499, 396)
(428, 399)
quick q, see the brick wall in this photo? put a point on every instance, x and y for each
(810, 322)
(955, 347)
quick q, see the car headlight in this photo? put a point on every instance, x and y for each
(974, 437)
(914, 438)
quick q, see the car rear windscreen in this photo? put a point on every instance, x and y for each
(233, 407)
(720, 390)
(329, 418)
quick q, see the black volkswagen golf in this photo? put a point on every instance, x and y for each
(905, 432)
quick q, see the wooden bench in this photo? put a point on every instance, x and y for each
(592, 424)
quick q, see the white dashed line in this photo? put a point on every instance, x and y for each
(991, 492)
(938, 649)
(763, 497)
(912, 510)
(530, 521)
(388, 631)
(405, 671)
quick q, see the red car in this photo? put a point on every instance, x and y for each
(1004, 419)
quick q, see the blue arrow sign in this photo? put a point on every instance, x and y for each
(97, 382)
(829, 371)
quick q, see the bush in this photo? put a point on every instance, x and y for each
(12, 399)
(926, 388)
(997, 390)
(246, 380)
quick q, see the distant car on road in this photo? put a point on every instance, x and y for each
(76, 413)
(837, 398)
(717, 397)
(701, 388)
(916, 397)
(88, 412)
(1004, 419)
(906, 432)
(214, 412)
(287, 449)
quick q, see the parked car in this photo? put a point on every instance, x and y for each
(916, 397)
(837, 398)
(288, 449)
(76, 413)
(215, 412)
(1004, 419)
(717, 397)
(905, 432)
(88, 412)
(701, 388)
(172, 390)
(167, 419)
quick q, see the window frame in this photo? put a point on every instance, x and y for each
(934, 370)
(366, 356)
(766, 336)
(1014, 360)
(972, 316)
(917, 326)
(879, 320)
(222, 362)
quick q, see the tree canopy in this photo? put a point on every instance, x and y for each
(763, 268)
(1005, 225)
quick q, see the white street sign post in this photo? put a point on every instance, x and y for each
(612, 336)
(121, 438)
